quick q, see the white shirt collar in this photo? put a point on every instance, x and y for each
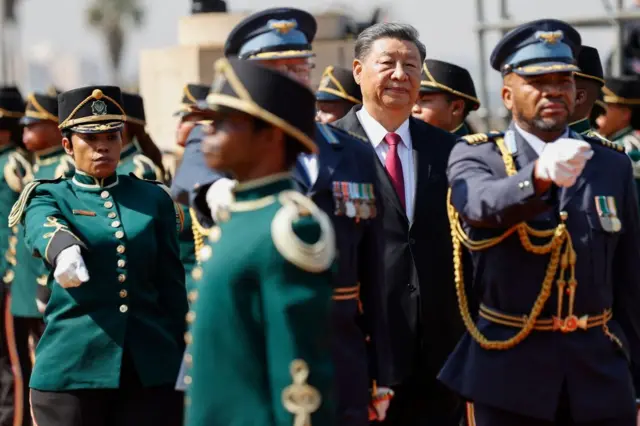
(376, 132)
(535, 142)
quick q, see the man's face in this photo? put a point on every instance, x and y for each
(296, 68)
(233, 144)
(389, 76)
(616, 118)
(541, 102)
(186, 124)
(330, 111)
(438, 110)
(41, 135)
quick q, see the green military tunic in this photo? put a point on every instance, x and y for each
(132, 160)
(16, 172)
(263, 308)
(629, 139)
(135, 299)
(581, 126)
(31, 271)
(188, 247)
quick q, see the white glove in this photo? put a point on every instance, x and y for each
(219, 196)
(562, 161)
(70, 268)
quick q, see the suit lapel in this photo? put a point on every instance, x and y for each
(524, 154)
(351, 123)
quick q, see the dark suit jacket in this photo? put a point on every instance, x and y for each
(422, 308)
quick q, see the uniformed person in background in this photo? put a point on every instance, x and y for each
(447, 96)
(621, 121)
(342, 183)
(16, 170)
(599, 108)
(262, 321)
(29, 293)
(115, 322)
(137, 146)
(555, 212)
(589, 81)
(336, 94)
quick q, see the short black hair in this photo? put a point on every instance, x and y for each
(396, 31)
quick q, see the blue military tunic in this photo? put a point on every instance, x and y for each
(586, 337)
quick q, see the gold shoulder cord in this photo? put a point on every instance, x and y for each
(559, 238)
(199, 233)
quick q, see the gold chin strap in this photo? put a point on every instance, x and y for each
(559, 246)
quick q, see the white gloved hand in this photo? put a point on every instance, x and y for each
(562, 161)
(219, 196)
(70, 268)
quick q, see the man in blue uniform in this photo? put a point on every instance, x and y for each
(551, 219)
(341, 181)
(589, 81)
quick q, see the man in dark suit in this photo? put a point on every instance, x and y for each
(411, 167)
(340, 182)
(551, 217)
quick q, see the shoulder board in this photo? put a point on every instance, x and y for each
(17, 171)
(316, 257)
(178, 210)
(479, 138)
(145, 168)
(601, 140)
(15, 216)
(328, 132)
(342, 132)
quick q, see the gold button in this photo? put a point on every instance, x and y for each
(188, 358)
(205, 253)
(119, 234)
(115, 223)
(124, 308)
(526, 183)
(564, 215)
(122, 278)
(187, 380)
(14, 229)
(214, 234)
(196, 273)
(191, 317)
(123, 294)
(104, 194)
(520, 185)
(36, 168)
(120, 249)
(121, 263)
(223, 214)
(112, 215)
(193, 296)
(108, 204)
(188, 338)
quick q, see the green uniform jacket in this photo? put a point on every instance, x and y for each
(629, 139)
(264, 302)
(581, 126)
(31, 272)
(132, 160)
(135, 299)
(187, 247)
(16, 172)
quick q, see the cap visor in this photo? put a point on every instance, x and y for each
(291, 54)
(26, 121)
(327, 97)
(545, 68)
(429, 89)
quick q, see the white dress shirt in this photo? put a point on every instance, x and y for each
(535, 142)
(376, 133)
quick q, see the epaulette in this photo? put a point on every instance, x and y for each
(15, 216)
(479, 138)
(348, 133)
(17, 171)
(176, 206)
(597, 137)
(316, 257)
(145, 168)
(66, 168)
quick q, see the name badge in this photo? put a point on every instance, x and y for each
(608, 213)
(83, 213)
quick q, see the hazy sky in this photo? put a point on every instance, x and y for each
(446, 26)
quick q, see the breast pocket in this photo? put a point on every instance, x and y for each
(605, 228)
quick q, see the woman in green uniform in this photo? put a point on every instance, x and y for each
(113, 339)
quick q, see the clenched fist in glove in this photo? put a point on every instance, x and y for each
(562, 161)
(70, 268)
(219, 196)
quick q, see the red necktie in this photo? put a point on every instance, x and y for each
(394, 165)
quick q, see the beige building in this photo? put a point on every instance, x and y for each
(165, 71)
